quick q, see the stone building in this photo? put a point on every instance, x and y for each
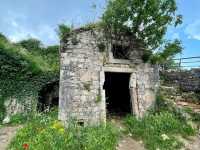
(99, 78)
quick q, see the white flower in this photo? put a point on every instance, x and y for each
(164, 137)
(141, 27)
(130, 134)
(135, 15)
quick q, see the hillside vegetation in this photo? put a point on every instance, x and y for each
(24, 68)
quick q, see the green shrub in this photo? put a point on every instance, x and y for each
(146, 56)
(64, 31)
(45, 132)
(159, 130)
(101, 46)
(18, 119)
(2, 110)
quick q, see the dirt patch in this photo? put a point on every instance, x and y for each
(194, 144)
(6, 135)
(126, 142)
(194, 107)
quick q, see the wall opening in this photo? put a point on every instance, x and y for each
(118, 101)
(48, 96)
(120, 51)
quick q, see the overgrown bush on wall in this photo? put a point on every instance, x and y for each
(146, 21)
(23, 72)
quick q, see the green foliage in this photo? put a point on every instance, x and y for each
(87, 86)
(170, 64)
(2, 109)
(18, 119)
(146, 21)
(158, 130)
(92, 26)
(163, 105)
(101, 46)
(98, 98)
(74, 39)
(64, 31)
(170, 50)
(45, 132)
(147, 55)
(195, 116)
(31, 44)
(23, 72)
(3, 38)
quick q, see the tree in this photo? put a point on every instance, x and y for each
(144, 20)
(3, 38)
(31, 44)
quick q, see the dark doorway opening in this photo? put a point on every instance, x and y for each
(48, 96)
(117, 93)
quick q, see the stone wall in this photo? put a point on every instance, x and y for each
(15, 106)
(82, 76)
(80, 81)
(187, 80)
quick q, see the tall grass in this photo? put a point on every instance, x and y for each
(45, 132)
(159, 131)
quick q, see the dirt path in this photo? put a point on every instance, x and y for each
(126, 142)
(194, 144)
(6, 134)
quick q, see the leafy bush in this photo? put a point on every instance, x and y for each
(64, 31)
(158, 130)
(45, 132)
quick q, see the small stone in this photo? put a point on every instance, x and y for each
(6, 120)
(130, 134)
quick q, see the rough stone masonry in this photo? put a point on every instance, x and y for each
(82, 76)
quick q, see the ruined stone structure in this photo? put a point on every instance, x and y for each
(186, 80)
(82, 95)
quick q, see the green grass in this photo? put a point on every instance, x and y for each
(45, 132)
(161, 128)
(158, 131)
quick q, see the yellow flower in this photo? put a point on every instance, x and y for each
(57, 125)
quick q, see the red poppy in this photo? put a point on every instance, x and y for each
(25, 146)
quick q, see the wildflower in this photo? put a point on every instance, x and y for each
(57, 125)
(25, 146)
(164, 137)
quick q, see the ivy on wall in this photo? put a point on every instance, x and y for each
(23, 71)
